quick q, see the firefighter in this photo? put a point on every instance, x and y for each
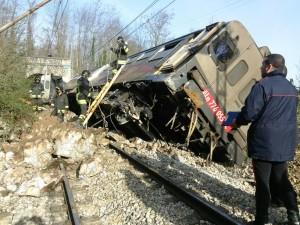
(36, 92)
(60, 103)
(121, 52)
(83, 93)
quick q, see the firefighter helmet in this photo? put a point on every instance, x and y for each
(57, 88)
(37, 79)
(120, 38)
(86, 73)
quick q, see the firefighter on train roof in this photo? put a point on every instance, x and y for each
(121, 51)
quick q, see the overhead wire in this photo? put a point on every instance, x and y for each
(160, 11)
(230, 4)
(125, 27)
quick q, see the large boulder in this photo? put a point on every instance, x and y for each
(77, 145)
(91, 168)
(38, 153)
(44, 181)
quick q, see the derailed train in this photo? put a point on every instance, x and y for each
(180, 91)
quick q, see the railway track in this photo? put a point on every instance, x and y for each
(205, 209)
(76, 197)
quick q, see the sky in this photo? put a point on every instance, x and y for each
(272, 23)
(275, 23)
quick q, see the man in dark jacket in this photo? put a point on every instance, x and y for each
(60, 103)
(271, 109)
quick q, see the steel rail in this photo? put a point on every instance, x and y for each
(68, 195)
(204, 208)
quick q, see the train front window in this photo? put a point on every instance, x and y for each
(223, 51)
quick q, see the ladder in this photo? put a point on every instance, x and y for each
(100, 96)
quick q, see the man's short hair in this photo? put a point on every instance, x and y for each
(276, 60)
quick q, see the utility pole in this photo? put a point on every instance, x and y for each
(28, 12)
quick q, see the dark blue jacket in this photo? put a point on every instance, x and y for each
(271, 108)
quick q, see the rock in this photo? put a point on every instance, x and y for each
(70, 116)
(9, 156)
(31, 187)
(91, 169)
(3, 192)
(38, 153)
(11, 187)
(9, 147)
(15, 176)
(102, 140)
(42, 183)
(5, 219)
(76, 145)
(2, 156)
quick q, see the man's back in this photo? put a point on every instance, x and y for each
(281, 97)
(272, 134)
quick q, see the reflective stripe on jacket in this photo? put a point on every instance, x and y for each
(35, 96)
(121, 62)
(81, 99)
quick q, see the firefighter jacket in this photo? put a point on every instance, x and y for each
(36, 90)
(83, 86)
(121, 51)
(61, 103)
(271, 109)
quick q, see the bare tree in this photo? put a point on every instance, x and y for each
(156, 28)
(29, 30)
(93, 26)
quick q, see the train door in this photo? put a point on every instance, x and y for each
(46, 81)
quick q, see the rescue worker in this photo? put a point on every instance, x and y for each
(60, 103)
(121, 52)
(83, 93)
(36, 92)
(271, 109)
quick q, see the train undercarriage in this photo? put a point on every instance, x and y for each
(150, 110)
